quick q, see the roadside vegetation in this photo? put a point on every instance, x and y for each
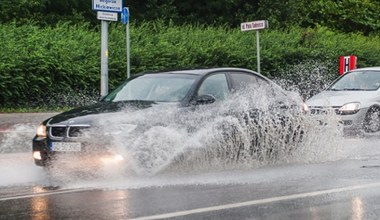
(55, 63)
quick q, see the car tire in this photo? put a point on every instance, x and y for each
(372, 120)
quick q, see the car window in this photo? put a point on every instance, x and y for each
(358, 80)
(154, 87)
(215, 85)
(241, 81)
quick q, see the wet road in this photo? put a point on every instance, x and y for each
(346, 187)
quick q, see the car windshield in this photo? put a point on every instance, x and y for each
(154, 87)
(358, 81)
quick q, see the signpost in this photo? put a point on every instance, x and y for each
(255, 25)
(125, 20)
(106, 12)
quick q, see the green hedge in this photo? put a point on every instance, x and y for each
(35, 62)
(39, 64)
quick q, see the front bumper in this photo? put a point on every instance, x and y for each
(40, 145)
(352, 124)
(91, 155)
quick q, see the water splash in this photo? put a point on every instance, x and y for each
(220, 136)
(307, 78)
(253, 128)
(17, 138)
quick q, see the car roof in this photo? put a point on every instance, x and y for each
(367, 68)
(199, 71)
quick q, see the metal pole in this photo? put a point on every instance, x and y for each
(104, 60)
(258, 50)
(128, 50)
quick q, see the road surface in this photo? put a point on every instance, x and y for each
(343, 186)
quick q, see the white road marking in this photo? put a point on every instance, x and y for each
(256, 202)
(57, 192)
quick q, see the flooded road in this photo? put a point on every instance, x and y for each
(344, 186)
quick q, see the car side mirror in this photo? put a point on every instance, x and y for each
(205, 99)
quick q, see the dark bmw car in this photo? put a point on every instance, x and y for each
(68, 134)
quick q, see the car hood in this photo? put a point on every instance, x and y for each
(87, 115)
(339, 98)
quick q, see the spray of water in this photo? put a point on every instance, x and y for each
(18, 169)
(307, 78)
(17, 138)
(252, 128)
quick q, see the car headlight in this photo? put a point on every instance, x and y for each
(350, 108)
(41, 131)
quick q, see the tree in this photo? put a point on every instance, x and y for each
(349, 15)
(343, 15)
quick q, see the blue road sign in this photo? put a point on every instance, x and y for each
(125, 15)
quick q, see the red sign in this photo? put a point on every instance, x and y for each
(347, 63)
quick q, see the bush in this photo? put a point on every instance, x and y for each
(36, 62)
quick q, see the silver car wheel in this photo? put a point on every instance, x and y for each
(372, 120)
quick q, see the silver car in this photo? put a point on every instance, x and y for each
(355, 97)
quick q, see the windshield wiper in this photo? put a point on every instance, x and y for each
(353, 89)
(140, 100)
(137, 101)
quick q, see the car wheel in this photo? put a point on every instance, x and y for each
(372, 120)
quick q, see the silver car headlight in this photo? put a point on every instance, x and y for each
(350, 108)
(41, 131)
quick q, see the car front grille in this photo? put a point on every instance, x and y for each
(76, 131)
(319, 110)
(67, 131)
(58, 131)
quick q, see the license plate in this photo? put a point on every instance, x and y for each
(67, 146)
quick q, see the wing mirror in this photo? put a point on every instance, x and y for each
(205, 99)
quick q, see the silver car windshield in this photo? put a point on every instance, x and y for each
(154, 87)
(358, 81)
